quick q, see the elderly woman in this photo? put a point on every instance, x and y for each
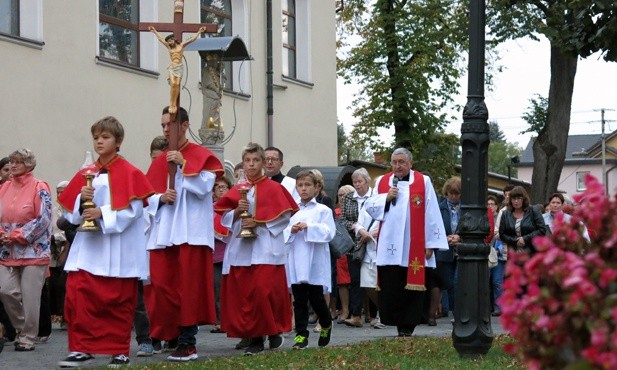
(520, 222)
(555, 207)
(25, 238)
(352, 204)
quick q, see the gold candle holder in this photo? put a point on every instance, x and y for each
(88, 225)
(246, 232)
(243, 187)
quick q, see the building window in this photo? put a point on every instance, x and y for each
(289, 38)
(219, 12)
(9, 17)
(580, 180)
(119, 30)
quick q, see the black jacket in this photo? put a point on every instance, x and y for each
(532, 225)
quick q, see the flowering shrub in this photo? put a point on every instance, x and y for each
(561, 304)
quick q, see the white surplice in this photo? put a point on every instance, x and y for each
(189, 220)
(394, 237)
(289, 184)
(119, 249)
(309, 253)
(268, 248)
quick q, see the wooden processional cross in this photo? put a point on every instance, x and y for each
(177, 28)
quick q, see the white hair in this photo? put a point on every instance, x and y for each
(361, 172)
(403, 151)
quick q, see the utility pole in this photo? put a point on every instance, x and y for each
(603, 121)
(604, 177)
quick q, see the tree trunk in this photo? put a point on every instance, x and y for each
(549, 148)
(400, 106)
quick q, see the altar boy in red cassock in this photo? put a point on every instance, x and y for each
(180, 241)
(104, 266)
(254, 295)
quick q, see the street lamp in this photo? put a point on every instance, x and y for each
(513, 160)
(472, 335)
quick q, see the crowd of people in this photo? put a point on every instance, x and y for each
(252, 259)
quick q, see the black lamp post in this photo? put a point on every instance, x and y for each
(513, 160)
(472, 335)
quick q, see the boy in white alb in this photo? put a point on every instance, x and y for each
(308, 264)
(104, 266)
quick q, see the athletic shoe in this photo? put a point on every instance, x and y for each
(145, 350)
(118, 361)
(183, 353)
(75, 359)
(301, 342)
(156, 346)
(324, 336)
(243, 343)
(276, 341)
(19, 347)
(256, 346)
(170, 345)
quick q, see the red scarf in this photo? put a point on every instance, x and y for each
(126, 183)
(417, 239)
(271, 200)
(196, 159)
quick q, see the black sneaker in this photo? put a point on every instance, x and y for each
(243, 343)
(324, 336)
(75, 359)
(254, 348)
(170, 345)
(301, 342)
(183, 353)
(276, 341)
(156, 346)
(118, 361)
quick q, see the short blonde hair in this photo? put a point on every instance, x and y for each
(254, 148)
(24, 155)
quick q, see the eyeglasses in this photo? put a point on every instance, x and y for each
(221, 187)
(272, 159)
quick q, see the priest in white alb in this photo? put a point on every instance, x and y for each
(411, 229)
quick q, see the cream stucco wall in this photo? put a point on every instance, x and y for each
(51, 96)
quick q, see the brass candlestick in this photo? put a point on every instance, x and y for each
(244, 186)
(246, 232)
(89, 172)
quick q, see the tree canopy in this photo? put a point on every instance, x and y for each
(407, 57)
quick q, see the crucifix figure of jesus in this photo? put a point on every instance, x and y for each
(176, 65)
(176, 51)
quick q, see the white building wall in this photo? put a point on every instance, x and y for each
(52, 95)
(567, 181)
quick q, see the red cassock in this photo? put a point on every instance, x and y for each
(255, 299)
(181, 292)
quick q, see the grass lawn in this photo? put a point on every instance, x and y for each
(393, 353)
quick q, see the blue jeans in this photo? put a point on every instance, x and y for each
(496, 278)
(187, 335)
(448, 270)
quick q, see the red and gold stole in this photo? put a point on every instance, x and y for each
(417, 238)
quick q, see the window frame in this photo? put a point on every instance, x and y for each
(580, 180)
(293, 47)
(124, 24)
(17, 20)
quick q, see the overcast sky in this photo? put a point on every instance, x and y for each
(526, 73)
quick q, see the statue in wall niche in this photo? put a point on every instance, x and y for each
(211, 131)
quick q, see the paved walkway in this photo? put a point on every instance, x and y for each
(46, 356)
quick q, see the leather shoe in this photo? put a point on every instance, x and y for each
(354, 323)
(496, 313)
(432, 322)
